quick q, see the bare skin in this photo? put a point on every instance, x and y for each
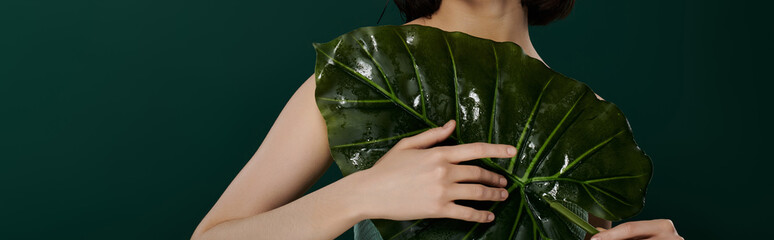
(265, 200)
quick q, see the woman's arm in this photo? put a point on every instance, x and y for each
(291, 158)
(260, 203)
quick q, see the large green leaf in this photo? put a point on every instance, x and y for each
(376, 85)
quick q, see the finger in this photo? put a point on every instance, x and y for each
(475, 174)
(428, 138)
(468, 214)
(633, 230)
(476, 192)
(470, 151)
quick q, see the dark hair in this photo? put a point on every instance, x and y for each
(539, 12)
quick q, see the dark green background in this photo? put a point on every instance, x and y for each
(127, 119)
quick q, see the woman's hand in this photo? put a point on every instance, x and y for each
(415, 180)
(653, 229)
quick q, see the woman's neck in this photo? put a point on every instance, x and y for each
(498, 20)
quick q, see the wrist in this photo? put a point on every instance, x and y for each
(354, 191)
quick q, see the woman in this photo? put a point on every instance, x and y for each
(264, 201)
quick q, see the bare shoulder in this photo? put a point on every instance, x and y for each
(308, 86)
(294, 154)
(303, 105)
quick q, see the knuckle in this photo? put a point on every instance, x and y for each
(402, 142)
(440, 194)
(470, 215)
(488, 193)
(480, 192)
(496, 194)
(628, 228)
(475, 216)
(667, 224)
(496, 178)
(436, 154)
(441, 172)
(493, 194)
(480, 173)
(434, 210)
(479, 148)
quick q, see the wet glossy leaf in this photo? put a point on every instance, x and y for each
(376, 85)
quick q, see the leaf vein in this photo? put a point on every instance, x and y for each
(381, 90)
(597, 202)
(582, 156)
(378, 66)
(405, 229)
(518, 218)
(356, 101)
(381, 139)
(527, 126)
(456, 90)
(494, 99)
(550, 136)
(416, 71)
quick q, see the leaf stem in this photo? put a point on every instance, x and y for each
(571, 216)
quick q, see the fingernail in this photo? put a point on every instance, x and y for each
(503, 182)
(511, 150)
(595, 238)
(490, 217)
(448, 124)
(504, 194)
